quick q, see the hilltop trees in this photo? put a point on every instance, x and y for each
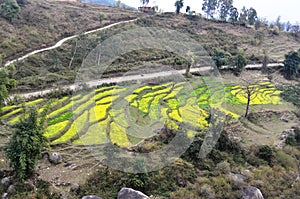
(226, 11)
(9, 9)
(233, 14)
(118, 2)
(225, 6)
(210, 7)
(243, 15)
(26, 143)
(178, 5)
(252, 16)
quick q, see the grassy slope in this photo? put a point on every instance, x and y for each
(233, 37)
(42, 23)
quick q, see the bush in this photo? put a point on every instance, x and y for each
(26, 143)
(223, 167)
(221, 57)
(291, 64)
(239, 62)
(101, 17)
(9, 9)
(265, 152)
(291, 140)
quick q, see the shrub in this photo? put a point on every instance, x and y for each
(221, 57)
(265, 152)
(223, 167)
(9, 9)
(291, 64)
(26, 143)
(239, 62)
(101, 17)
(291, 140)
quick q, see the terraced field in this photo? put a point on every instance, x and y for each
(125, 115)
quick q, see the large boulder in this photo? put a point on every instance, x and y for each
(252, 193)
(91, 197)
(128, 193)
(55, 158)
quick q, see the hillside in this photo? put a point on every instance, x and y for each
(98, 105)
(58, 65)
(43, 23)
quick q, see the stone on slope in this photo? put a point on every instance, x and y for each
(128, 193)
(252, 193)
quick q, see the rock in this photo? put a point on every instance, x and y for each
(91, 197)
(128, 193)
(252, 193)
(284, 119)
(5, 182)
(73, 166)
(74, 187)
(5, 196)
(55, 158)
(157, 131)
(11, 189)
(238, 176)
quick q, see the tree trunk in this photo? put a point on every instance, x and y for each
(187, 71)
(248, 103)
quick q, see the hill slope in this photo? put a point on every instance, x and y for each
(42, 23)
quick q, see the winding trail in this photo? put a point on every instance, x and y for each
(59, 43)
(94, 83)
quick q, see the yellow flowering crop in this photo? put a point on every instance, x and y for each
(98, 112)
(76, 127)
(55, 129)
(118, 135)
(96, 134)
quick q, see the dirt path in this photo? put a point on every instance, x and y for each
(94, 83)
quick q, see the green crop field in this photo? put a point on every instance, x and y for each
(123, 116)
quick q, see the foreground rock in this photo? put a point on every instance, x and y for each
(91, 197)
(55, 158)
(128, 193)
(252, 193)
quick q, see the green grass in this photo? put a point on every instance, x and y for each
(61, 118)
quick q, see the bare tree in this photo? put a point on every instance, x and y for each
(251, 91)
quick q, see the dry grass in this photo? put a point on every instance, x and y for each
(42, 23)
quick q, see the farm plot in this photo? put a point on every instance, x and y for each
(95, 118)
